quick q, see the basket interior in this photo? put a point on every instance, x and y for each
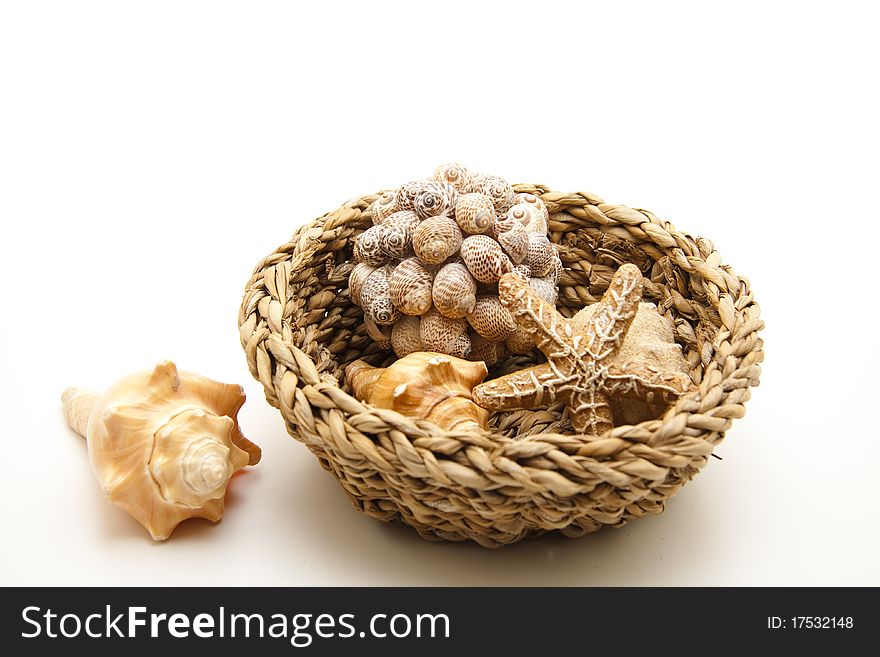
(332, 326)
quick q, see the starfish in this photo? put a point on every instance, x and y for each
(579, 369)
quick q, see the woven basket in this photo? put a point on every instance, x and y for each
(528, 475)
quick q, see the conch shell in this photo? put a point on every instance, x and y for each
(163, 444)
(425, 385)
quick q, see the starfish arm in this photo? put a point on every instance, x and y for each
(526, 388)
(591, 413)
(639, 381)
(549, 330)
(607, 327)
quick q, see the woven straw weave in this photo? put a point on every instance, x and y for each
(528, 475)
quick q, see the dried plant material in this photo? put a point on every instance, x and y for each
(579, 369)
(163, 444)
(426, 385)
(381, 335)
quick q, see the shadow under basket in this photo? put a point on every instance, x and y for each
(528, 474)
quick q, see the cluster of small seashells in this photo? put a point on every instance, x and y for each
(427, 269)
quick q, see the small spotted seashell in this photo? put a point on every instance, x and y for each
(356, 280)
(556, 271)
(405, 338)
(476, 181)
(406, 194)
(545, 289)
(397, 233)
(523, 271)
(381, 335)
(410, 287)
(474, 213)
(436, 239)
(439, 333)
(383, 207)
(461, 348)
(434, 199)
(454, 174)
(376, 297)
(455, 291)
(520, 342)
(515, 243)
(497, 189)
(530, 217)
(492, 320)
(368, 247)
(485, 350)
(484, 258)
(535, 201)
(541, 256)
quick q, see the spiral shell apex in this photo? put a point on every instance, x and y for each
(368, 247)
(497, 189)
(535, 202)
(405, 336)
(406, 194)
(484, 258)
(435, 198)
(376, 297)
(164, 444)
(436, 239)
(530, 218)
(397, 233)
(383, 207)
(454, 174)
(474, 213)
(410, 287)
(454, 291)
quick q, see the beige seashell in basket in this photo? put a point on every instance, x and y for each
(375, 297)
(163, 444)
(426, 385)
(485, 350)
(440, 333)
(406, 336)
(497, 189)
(356, 280)
(515, 243)
(484, 258)
(454, 174)
(435, 199)
(436, 239)
(397, 233)
(541, 255)
(491, 320)
(410, 287)
(474, 213)
(368, 247)
(545, 289)
(383, 207)
(455, 291)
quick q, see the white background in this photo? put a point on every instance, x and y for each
(152, 153)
